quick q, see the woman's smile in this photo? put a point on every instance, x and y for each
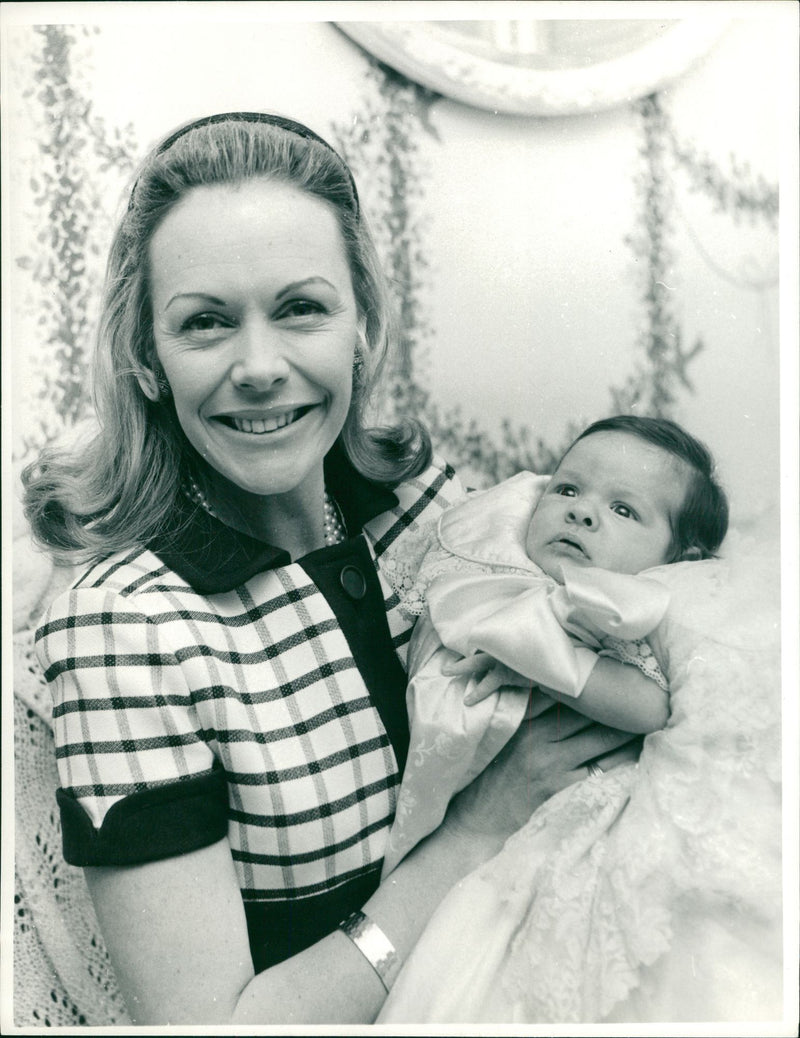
(259, 425)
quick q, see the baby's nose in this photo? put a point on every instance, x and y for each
(583, 515)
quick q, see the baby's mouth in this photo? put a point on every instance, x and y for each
(260, 426)
(572, 545)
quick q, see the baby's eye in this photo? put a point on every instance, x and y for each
(566, 490)
(205, 322)
(624, 510)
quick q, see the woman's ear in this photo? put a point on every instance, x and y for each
(148, 384)
(361, 332)
(154, 385)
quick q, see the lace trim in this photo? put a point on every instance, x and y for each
(413, 568)
(639, 654)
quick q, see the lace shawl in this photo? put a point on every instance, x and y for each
(62, 973)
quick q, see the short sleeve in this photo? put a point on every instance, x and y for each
(138, 778)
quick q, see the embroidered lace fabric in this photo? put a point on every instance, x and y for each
(637, 653)
(62, 973)
(423, 559)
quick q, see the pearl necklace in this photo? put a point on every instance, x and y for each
(332, 524)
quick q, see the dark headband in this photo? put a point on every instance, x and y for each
(289, 125)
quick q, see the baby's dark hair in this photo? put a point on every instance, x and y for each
(700, 526)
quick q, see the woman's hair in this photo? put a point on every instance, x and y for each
(120, 488)
(702, 522)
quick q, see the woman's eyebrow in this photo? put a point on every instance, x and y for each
(195, 295)
(295, 286)
(304, 283)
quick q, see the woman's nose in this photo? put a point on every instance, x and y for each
(260, 361)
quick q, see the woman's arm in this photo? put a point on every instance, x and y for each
(176, 931)
(621, 696)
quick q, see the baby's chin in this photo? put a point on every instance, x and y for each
(559, 567)
(553, 568)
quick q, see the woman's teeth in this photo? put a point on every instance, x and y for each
(264, 425)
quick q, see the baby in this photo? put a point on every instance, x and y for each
(629, 494)
(539, 578)
(623, 886)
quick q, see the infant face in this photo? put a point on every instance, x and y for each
(608, 505)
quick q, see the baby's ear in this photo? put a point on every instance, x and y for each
(693, 554)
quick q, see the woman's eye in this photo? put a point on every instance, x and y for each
(301, 308)
(205, 322)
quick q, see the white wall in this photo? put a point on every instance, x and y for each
(532, 291)
(533, 276)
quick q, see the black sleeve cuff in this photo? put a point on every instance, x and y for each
(149, 825)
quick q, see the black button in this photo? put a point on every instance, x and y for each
(352, 580)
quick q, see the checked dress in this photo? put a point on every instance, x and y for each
(206, 685)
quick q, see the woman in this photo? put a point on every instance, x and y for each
(227, 676)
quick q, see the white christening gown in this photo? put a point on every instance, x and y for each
(648, 894)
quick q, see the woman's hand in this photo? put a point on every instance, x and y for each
(550, 751)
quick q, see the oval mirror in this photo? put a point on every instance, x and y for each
(540, 66)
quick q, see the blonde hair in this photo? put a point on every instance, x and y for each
(119, 490)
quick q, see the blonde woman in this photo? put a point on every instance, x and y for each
(228, 675)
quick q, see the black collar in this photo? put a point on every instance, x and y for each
(215, 558)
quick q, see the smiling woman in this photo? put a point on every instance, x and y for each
(228, 675)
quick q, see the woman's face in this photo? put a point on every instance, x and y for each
(255, 326)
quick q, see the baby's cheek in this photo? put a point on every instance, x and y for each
(531, 546)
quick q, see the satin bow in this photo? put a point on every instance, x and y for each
(546, 631)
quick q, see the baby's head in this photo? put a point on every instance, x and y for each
(629, 493)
